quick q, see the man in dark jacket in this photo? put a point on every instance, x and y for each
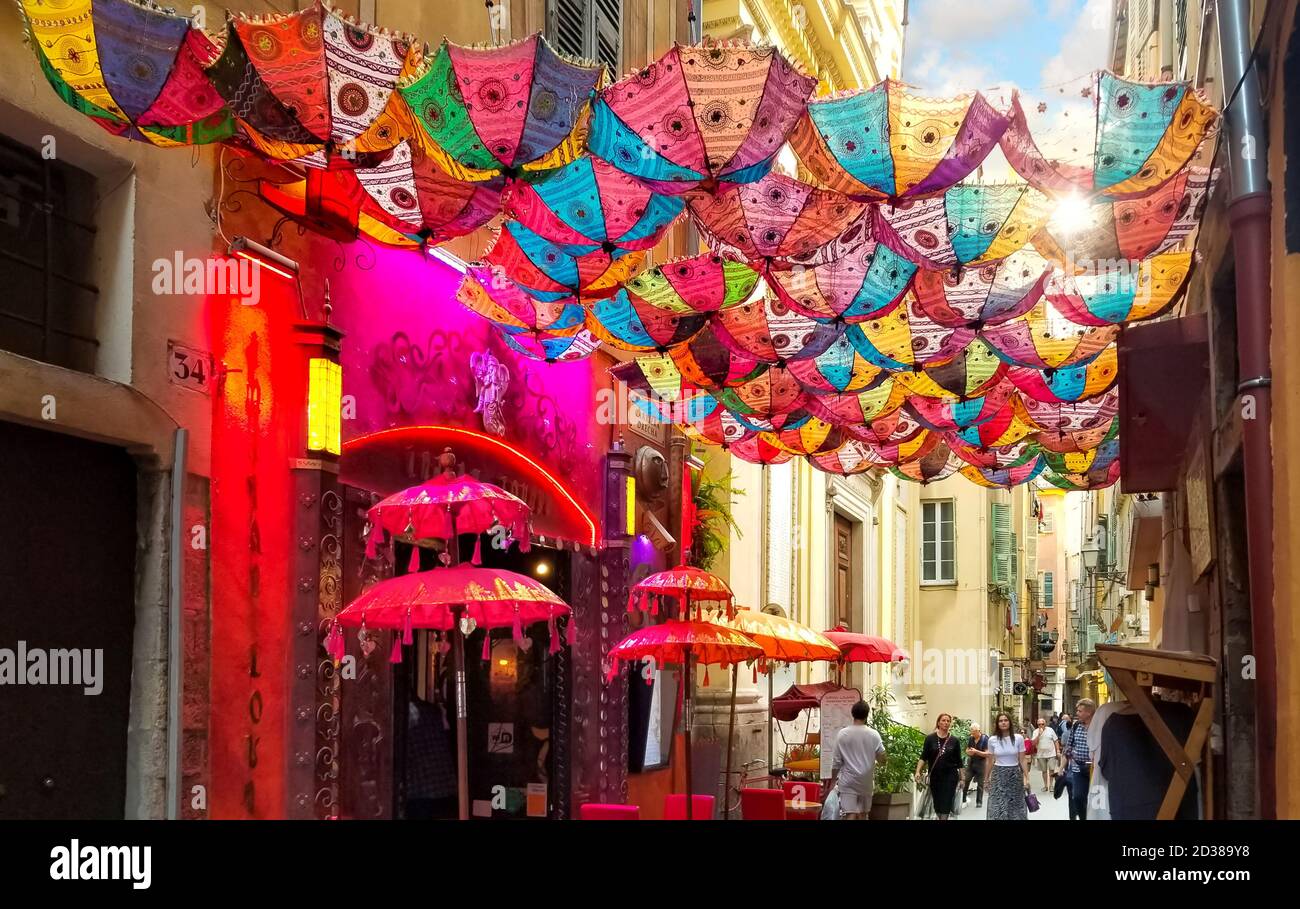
(974, 769)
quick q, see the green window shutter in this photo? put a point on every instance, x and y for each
(1001, 543)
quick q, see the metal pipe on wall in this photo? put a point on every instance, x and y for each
(1249, 213)
(175, 624)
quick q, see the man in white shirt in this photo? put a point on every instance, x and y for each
(1047, 751)
(853, 769)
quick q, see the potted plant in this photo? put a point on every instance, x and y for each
(893, 797)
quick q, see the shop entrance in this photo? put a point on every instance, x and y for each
(512, 693)
(67, 569)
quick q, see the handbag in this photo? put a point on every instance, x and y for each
(1031, 802)
(831, 807)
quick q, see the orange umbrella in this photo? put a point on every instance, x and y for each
(783, 640)
(679, 641)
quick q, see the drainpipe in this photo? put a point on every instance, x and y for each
(175, 625)
(1166, 40)
(1249, 212)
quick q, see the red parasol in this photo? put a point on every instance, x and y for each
(865, 648)
(690, 585)
(444, 507)
(439, 600)
(678, 641)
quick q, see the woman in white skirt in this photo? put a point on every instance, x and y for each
(1006, 779)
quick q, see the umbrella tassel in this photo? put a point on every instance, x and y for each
(334, 643)
(396, 655)
(755, 673)
(706, 676)
(524, 538)
(631, 603)
(517, 629)
(372, 542)
(487, 645)
(571, 632)
(408, 637)
(477, 559)
(414, 565)
(553, 636)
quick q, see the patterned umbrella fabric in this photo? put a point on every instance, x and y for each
(865, 648)
(133, 68)
(1074, 383)
(550, 347)
(938, 463)
(988, 295)
(855, 287)
(543, 267)
(884, 143)
(590, 203)
(1004, 477)
(700, 117)
(501, 111)
(411, 193)
(693, 587)
(1044, 339)
(840, 368)
(1145, 135)
(853, 457)
(676, 641)
(314, 87)
(767, 330)
(1114, 293)
(487, 291)
(783, 640)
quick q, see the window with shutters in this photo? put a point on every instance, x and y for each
(1000, 544)
(591, 29)
(938, 542)
(1048, 591)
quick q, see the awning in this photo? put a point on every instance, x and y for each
(798, 698)
(1163, 370)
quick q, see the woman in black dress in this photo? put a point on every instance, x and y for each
(942, 753)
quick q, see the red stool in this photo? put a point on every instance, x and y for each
(675, 807)
(762, 804)
(597, 812)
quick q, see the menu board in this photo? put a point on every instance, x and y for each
(836, 713)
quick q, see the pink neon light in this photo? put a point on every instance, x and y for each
(492, 441)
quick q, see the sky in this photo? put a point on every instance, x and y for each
(956, 46)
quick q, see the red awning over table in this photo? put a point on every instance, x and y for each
(798, 698)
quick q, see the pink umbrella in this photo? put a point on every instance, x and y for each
(865, 648)
(443, 508)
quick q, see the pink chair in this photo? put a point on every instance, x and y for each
(675, 807)
(762, 804)
(597, 812)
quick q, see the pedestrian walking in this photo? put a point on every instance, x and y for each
(858, 748)
(1007, 773)
(943, 754)
(976, 746)
(1078, 757)
(1047, 751)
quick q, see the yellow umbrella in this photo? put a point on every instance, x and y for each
(783, 640)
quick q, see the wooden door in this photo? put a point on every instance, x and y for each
(843, 572)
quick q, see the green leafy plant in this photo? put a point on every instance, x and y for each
(713, 519)
(903, 743)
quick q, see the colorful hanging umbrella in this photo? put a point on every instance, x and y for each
(776, 219)
(1008, 425)
(1088, 482)
(441, 599)
(703, 116)
(1116, 292)
(896, 435)
(814, 436)
(1004, 477)
(545, 267)
(1145, 135)
(1074, 383)
(773, 395)
(1084, 462)
(839, 369)
(1072, 440)
(906, 339)
(883, 143)
(589, 203)
(627, 322)
(1133, 229)
(952, 414)
(486, 290)
(783, 640)
(988, 222)
(1060, 416)
(135, 69)
(987, 295)
(501, 111)
(698, 284)
(937, 464)
(998, 458)
(548, 346)
(853, 457)
(313, 87)
(971, 373)
(1044, 339)
(410, 192)
(860, 285)
(860, 408)
(767, 330)
(445, 507)
(755, 449)
(707, 363)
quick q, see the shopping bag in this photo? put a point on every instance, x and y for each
(956, 802)
(831, 807)
(925, 806)
(1031, 801)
